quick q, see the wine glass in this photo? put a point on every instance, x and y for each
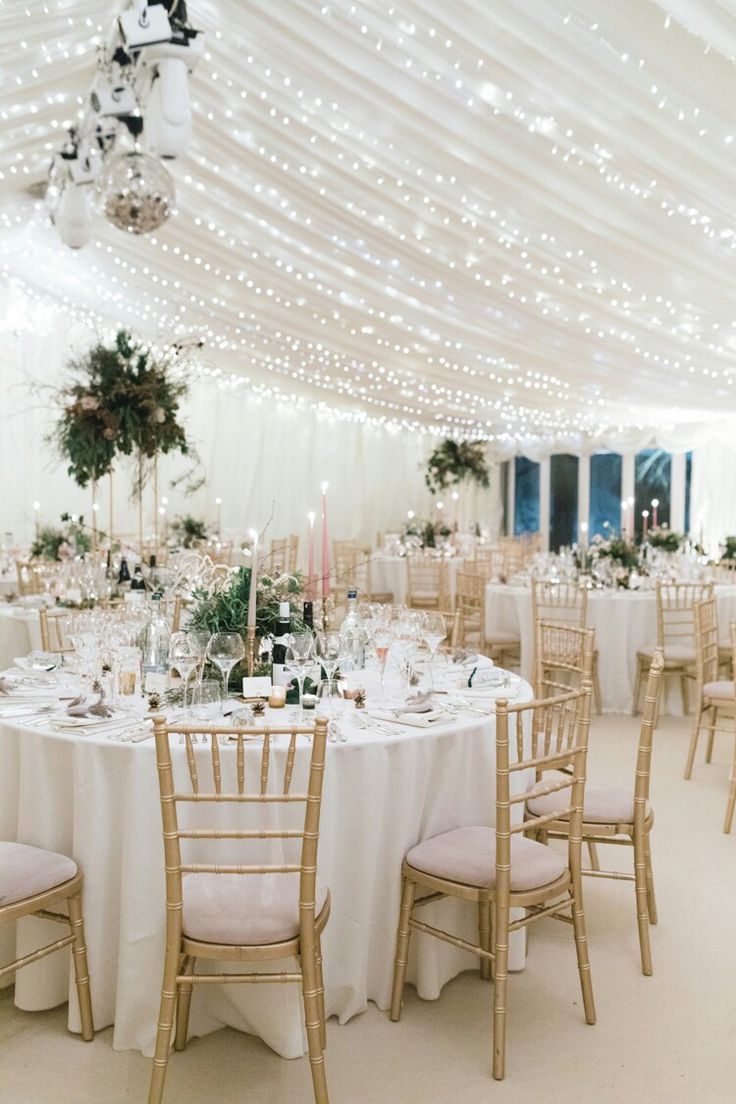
(299, 658)
(183, 659)
(329, 652)
(404, 646)
(433, 632)
(199, 638)
(382, 645)
(225, 649)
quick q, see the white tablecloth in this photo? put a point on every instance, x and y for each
(389, 574)
(20, 632)
(624, 621)
(98, 801)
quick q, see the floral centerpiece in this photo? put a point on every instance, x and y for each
(729, 551)
(222, 606)
(123, 400)
(620, 556)
(187, 531)
(454, 462)
(664, 538)
(62, 542)
(418, 533)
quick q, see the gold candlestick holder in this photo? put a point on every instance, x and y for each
(250, 650)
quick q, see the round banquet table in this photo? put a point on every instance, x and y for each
(20, 633)
(624, 622)
(97, 800)
(389, 575)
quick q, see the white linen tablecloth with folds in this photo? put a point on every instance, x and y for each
(624, 621)
(97, 800)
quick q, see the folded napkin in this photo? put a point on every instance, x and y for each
(416, 720)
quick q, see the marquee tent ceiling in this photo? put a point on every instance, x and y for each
(512, 219)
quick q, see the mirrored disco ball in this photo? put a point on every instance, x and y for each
(135, 192)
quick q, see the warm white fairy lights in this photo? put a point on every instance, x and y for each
(487, 221)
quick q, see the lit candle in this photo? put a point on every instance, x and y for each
(325, 546)
(624, 509)
(410, 514)
(644, 520)
(583, 535)
(655, 504)
(218, 504)
(310, 557)
(162, 514)
(253, 581)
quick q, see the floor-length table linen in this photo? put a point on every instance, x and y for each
(20, 633)
(97, 800)
(625, 621)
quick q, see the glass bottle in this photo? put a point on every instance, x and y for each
(155, 640)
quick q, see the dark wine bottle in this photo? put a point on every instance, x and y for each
(280, 644)
(308, 616)
(138, 582)
(123, 573)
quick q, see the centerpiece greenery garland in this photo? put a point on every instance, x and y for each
(454, 462)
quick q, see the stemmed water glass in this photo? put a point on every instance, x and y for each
(300, 656)
(404, 646)
(433, 632)
(199, 641)
(328, 644)
(225, 649)
(183, 659)
(382, 645)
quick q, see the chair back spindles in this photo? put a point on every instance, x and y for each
(563, 656)
(646, 733)
(427, 583)
(675, 613)
(53, 628)
(705, 618)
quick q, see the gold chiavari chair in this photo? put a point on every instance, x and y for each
(566, 603)
(499, 869)
(619, 816)
(675, 635)
(560, 657)
(352, 569)
(470, 601)
(426, 583)
(54, 631)
(34, 882)
(340, 547)
(279, 554)
(731, 803)
(248, 912)
(713, 696)
(29, 581)
(293, 553)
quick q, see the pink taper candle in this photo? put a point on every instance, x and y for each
(655, 504)
(645, 519)
(310, 556)
(325, 546)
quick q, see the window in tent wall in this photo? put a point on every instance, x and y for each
(688, 477)
(653, 476)
(526, 496)
(505, 496)
(605, 494)
(563, 501)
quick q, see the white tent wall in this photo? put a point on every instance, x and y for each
(713, 493)
(264, 458)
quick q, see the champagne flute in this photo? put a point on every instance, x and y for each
(382, 645)
(433, 632)
(225, 649)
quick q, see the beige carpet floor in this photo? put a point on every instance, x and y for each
(668, 1039)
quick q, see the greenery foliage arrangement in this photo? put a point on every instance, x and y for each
(424, 534)
(729, 552)
(665, 538)
(123, 400)
(61, 542)
(621, 551)
(454, 462)
(187, 531)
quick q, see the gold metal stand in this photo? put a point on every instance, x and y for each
(250, 650)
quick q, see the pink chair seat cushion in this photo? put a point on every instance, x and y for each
(723, 690)
(603, 804)
(243, 909)
(26, 871)
(468, 856)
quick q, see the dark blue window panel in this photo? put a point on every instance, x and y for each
(605, 494)
(505, 468)
(688, 478)
(526, 496)
(653, 475)
(563, 501)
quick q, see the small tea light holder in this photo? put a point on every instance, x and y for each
(352, 694)
(309, 701)
(277, 697)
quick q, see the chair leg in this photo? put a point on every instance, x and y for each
(321, 994)
(697, 725)
(500, 984)
(403, 936)
(581, 948)
(685, 693)
(597, 687)
(651, 899)
(165, 1024)
(731, 803)
(484, 929)
(637, 687)
(711, 735)
(642, 903)
(312, 1022)
(183, 1004)
(81, 972)
(593, 852)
